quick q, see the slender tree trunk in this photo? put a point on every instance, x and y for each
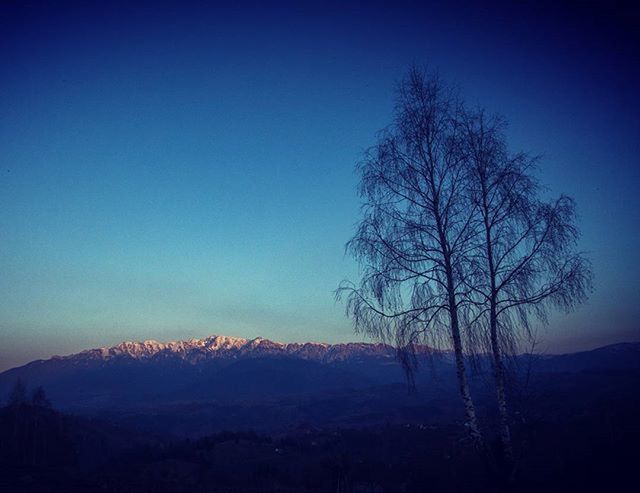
(470, 410)
(499, 372)
(498, 366)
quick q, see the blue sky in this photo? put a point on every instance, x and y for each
(174, 170)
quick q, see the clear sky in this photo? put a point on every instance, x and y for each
(174, 170)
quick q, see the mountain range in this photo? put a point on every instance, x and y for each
(229, 382)
(218, 347)
(217, 367)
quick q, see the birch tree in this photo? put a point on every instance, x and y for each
(416, 231)
(525, 260)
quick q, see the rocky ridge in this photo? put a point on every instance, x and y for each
(227, 347)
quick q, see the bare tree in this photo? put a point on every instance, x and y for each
(525, 260)
(415, 231)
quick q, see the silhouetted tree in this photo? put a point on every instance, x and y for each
(39, 398)
(416, 231)
(525, 258)
(18, 394)
(455, 240)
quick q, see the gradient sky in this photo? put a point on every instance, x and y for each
(174, 170)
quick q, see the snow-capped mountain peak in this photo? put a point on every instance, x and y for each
(228, 347)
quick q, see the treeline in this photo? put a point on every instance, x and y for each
(20, 397)
(31, 433)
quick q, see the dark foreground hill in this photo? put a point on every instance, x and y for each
(573, 434)
(253, 416)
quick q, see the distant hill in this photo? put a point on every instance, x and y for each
(620, 356)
